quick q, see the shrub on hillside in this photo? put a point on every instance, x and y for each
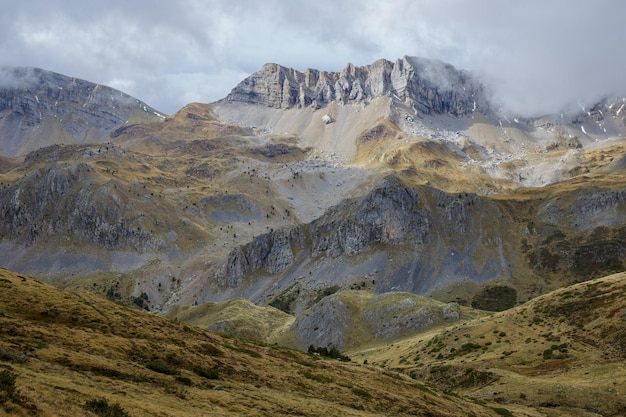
(333, 352)
(7, 387)
(162, 368)
(102, 408)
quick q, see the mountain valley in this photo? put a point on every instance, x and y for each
(387, 211)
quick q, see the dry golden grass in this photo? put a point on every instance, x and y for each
(386, 148)
(67, 348)
(238, 317)
(8, 163)
(561, 354)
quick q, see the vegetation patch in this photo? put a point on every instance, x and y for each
(326, 292)
(379, 132)
(207, 373)
(449, 377)
(286, 299)
(333, 352)
(502, 412)
(162, 368)
(556, 352)
(249, 352)
(142, 302)
(361, 392)
(209, 349)
(113, 373)
(435, 344)
(495, 298)
(10, 400)
(7, 387)
(102, 408)
(316, 377)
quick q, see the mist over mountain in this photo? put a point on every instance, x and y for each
(40, 108)
(538, 57)
(429, 86)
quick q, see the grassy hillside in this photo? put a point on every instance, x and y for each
(341, 319)
(237, 317)
(73, 353)
(562, 353)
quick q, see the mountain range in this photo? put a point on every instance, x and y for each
(331, 209)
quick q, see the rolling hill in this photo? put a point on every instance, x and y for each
(562, 353)
(73, 353)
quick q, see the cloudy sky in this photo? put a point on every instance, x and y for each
(536, 55)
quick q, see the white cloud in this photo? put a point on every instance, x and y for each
(538, 55)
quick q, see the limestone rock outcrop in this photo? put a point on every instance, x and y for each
(271, 251)
(429, 86)
(336, 319)
(390, 213)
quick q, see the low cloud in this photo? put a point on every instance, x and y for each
(16, 77)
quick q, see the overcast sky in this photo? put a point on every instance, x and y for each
(537, 55)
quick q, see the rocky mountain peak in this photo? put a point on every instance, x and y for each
(39, 108)
(429, 86)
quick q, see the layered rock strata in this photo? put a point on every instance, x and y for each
(430, 86)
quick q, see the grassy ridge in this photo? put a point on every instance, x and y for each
(73, 353)
(562, 353)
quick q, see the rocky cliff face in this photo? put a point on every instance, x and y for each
(40, 108)
(424, 240)
(390, 214)
(426, 230)
(272, 252)
(62, 200)
(429, 86)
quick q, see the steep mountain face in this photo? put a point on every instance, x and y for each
(39, 108)
(367, 116)
(426, 241)
(427, 85)
(80, 209)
